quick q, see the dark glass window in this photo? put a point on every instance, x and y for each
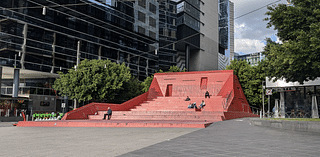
(152, 22)
(142, 3)
(141, 30)
(152, 8)
(152, 35)
(141, 17)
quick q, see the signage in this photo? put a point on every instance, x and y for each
(268, 91)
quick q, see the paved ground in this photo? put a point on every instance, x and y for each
(227, 138)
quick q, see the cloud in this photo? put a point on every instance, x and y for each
(250, 30)
(248, 45)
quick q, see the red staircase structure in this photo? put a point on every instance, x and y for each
(164, 106)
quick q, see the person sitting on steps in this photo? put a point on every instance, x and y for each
(207, 94)
(109, 113)
(202, 104)
(188, 99)
(192, 105)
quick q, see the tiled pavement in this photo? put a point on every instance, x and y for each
(235, 138)
(227, 138)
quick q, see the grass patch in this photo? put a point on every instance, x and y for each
(295, 119)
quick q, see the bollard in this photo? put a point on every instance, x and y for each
(27, 117)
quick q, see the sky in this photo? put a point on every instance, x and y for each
(250, 30)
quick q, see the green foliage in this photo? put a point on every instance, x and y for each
(147, 82)
(298, 26)
(128, 91)
(250, 78)
(93, 80)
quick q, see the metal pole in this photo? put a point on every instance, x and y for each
(262, 101)
(78, 62)
(268, 106)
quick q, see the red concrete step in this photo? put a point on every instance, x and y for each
(205, 119)
(161, 115)
(164, 113)
(115, 123)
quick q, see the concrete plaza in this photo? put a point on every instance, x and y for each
(227, 138)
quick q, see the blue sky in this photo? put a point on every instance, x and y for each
(250, 30)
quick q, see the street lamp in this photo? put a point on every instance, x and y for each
(263, 99)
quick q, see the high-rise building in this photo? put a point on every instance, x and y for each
(49, 34)
(167, 34)
(201, 39)
(226, 33)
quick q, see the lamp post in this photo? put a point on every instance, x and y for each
(78, 62)
(263, 99)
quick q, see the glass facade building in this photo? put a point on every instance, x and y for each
(167, 34)
(46, 35)
(226, 27)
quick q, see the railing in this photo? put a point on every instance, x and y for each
(255, 110)
(228, 100)
(8, 90)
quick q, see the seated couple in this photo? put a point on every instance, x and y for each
(193, 105)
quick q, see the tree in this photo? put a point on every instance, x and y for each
(93, 80)
(298, 27)
(250, 79)
(147, 82)
(128, 91)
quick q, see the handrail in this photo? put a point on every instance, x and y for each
(228, 100)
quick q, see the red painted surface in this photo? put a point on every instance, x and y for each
(164, 106)
(169, 90)
(92, 108)
(114, 123)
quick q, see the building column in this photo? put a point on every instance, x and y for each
(276, 107)
(187, 57)
(315, 112)
(99, 53)
(147, 61)
(16, 83)
(23, 47)
(282, 105)
(0, 82)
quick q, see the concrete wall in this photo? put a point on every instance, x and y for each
(305, 126)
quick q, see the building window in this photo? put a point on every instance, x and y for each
(152, 22)
(152, 35)
(152, 8)
(174, 22)
(141, 30)
(141, 17)
(165, 32)
(173, 34)
(142, 3)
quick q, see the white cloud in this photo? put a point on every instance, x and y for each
(248, 45)
(250, 30)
